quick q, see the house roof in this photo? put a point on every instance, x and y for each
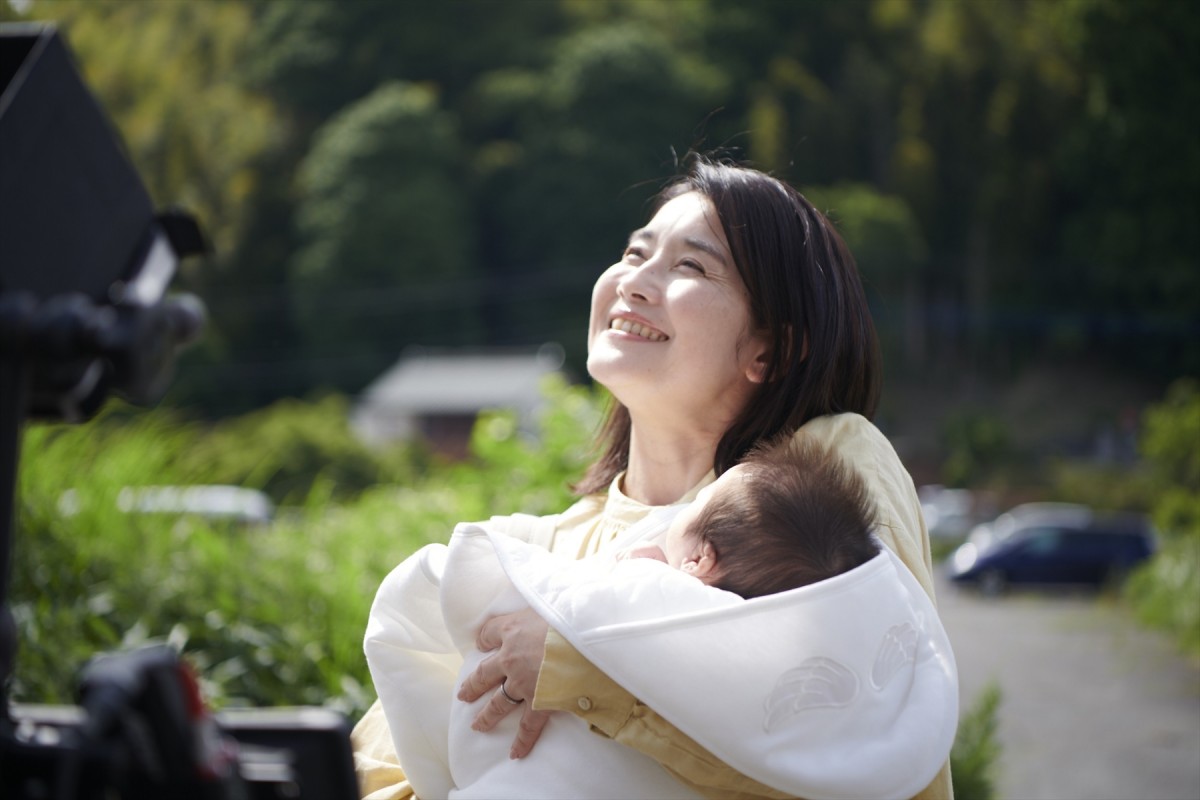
(449, 381)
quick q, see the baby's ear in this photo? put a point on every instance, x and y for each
(704, 562)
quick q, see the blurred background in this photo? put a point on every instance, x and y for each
(409, 202)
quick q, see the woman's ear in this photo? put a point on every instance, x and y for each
(760, 363)
(763, 347)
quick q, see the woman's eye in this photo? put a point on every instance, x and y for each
(634, 254)
(693, 265)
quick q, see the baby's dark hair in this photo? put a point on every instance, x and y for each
(799, 515)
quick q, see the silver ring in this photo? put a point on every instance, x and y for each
(508, 696)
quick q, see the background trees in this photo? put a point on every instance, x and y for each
(385, 170)
(1017, 178)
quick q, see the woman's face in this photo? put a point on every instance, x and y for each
(670, 328)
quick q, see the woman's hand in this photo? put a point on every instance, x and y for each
(510, 673)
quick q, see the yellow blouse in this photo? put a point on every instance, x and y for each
(568, 682)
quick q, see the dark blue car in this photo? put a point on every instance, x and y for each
(1069, 546)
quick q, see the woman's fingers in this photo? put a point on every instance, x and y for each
(517, 645)
(481, 679)
(494, 710)
(529, 730)
(499, 629)
(517, 642)
(532, 723)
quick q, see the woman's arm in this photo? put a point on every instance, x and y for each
(615, 713)
(605, 706)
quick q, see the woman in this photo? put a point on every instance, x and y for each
(736, 314)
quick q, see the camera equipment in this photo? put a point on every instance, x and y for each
(84, 266)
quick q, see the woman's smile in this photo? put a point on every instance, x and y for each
(637, 328)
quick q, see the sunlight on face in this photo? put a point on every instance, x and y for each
(670, 323)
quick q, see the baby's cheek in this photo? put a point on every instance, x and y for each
(645, 551)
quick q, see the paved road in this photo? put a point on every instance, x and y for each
(1092, 706)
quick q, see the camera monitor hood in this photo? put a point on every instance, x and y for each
(76, 217)
(84, 258)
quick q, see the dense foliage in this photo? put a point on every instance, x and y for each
(271, 615)
(1017, 177)
(1165, 590)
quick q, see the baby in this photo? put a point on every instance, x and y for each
(791, 514)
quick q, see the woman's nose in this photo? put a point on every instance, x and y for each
(640, 283)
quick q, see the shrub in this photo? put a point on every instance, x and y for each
(1163, 590)
(976, 750)
(286, 448)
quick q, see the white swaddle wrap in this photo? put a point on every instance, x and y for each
(842, 689)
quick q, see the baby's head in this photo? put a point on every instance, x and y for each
(789, 515)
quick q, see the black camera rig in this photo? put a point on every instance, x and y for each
(85, 262)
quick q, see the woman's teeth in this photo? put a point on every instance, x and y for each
(628, 326)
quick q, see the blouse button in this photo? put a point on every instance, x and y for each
(585, 704)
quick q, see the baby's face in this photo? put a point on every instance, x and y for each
(681, 546)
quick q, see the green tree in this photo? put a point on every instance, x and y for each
(883, 234)
(1172, 429)
(319, 59)
(986, 83)
(1131, 165)
(169, 75)
(1036, 145)
(387, 235)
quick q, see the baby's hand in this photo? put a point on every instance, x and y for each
(643, 551)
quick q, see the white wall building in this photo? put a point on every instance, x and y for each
(435, 395)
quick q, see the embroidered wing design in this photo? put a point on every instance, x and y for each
(898, 648)
(818, 682)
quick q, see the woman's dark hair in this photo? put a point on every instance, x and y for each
(805, 293)
(799, 515)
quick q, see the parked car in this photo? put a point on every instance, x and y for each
(1021, 517)
(1052, 544)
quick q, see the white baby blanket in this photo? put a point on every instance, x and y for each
(842, 689)
(420, 646)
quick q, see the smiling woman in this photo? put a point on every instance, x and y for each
(672, 337)
(734, 316)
